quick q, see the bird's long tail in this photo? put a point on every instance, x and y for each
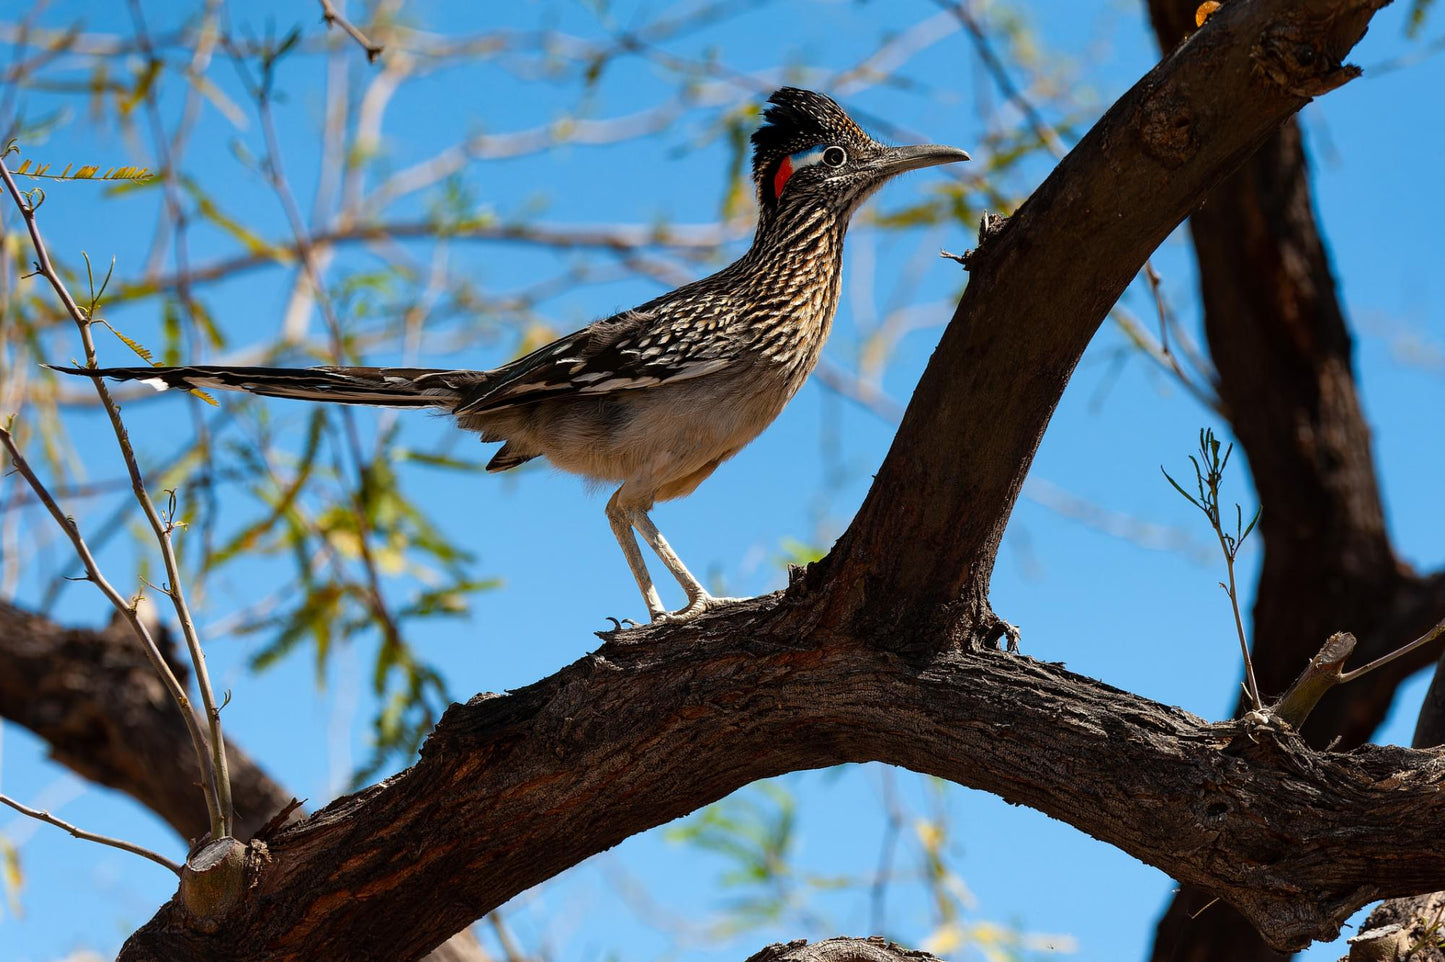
(388, 386)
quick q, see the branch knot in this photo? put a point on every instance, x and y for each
(1294, 57)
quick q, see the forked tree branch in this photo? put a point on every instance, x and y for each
(513, 789)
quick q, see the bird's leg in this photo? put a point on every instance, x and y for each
(621, 520)
(698, 599)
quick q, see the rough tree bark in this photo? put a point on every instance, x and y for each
(1410, 929)
(877, 653)
(1280, 343)
(513, 789)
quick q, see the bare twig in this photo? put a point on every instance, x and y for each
(845, 383)
(276, 177)
(892, 826)
(334, 19)
(994, 65)
(1383, 660)
(1139, 338)
(179, 221)
(696, 241)
(1166, 320)
(127, 610)
(81, 833)
(218, 795)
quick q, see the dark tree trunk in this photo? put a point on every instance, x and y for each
(1283, 351)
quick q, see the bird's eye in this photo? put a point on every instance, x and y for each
(835, 156)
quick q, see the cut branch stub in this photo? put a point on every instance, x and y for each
(1322, 674)
(214, 878)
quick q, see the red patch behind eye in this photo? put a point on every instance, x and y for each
(785, 170)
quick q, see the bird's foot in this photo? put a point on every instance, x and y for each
(619, 625)
(695, 608)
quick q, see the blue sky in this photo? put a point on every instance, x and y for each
(1150, 621)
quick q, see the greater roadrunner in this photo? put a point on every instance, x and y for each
(655, 397)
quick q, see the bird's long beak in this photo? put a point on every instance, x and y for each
(895, 160)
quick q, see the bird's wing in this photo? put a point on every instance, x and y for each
(643, 348)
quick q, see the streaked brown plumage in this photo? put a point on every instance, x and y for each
(656, 397)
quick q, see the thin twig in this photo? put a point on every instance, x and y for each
(1252, 686)
(218, 796)
(1161, 307)
(892, 825)
(274, 171)
(179, 220)
(1383, 660)
(81, 833)
(511, 952)
(1208, 476)
(334, 19)
(121, 605)
(1133, 329)
(994, 65)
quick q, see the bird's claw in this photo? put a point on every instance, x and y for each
(619, 625)
(695, 608)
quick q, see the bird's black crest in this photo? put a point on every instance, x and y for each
(795, 120)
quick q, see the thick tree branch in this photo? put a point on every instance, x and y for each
(1043, 284)
(513, 789)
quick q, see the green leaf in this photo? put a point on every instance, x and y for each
(437, 460)
(1252, 522)
(1187, 496)
(141, 351)
(144, 83)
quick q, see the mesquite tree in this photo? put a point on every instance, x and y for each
(887, 648)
